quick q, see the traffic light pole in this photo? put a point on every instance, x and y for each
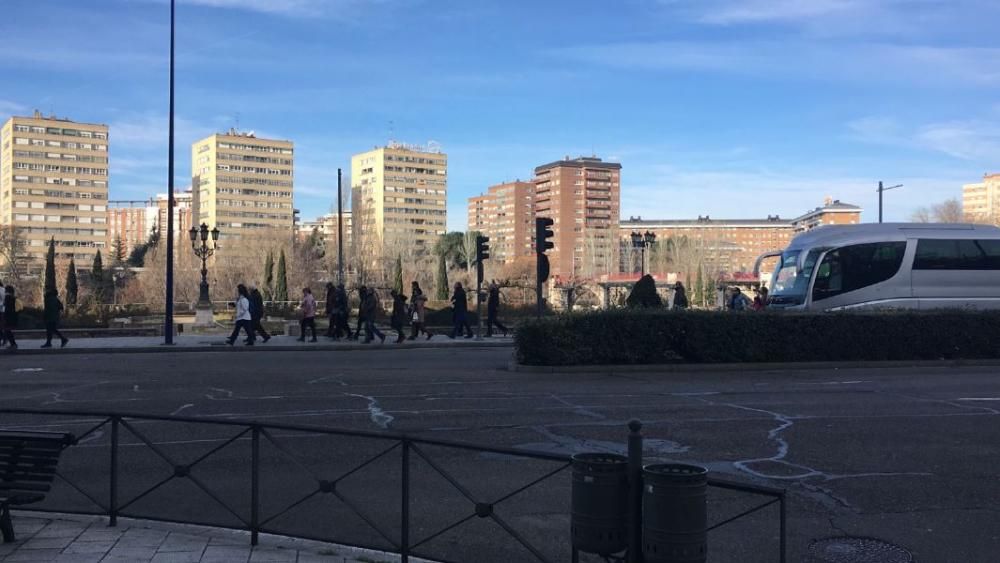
(538, 286)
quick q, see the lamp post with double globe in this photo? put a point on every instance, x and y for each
(203, 310)
(642, 241)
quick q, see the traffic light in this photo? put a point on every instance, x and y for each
(482, 248)
(542, 268)
(543, 232)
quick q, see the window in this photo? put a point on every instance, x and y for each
(945, 254)
(857, 266)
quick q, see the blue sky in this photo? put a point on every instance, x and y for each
(732, 108)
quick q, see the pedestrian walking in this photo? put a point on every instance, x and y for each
(460, 310)
(3, 333)
(680, 297)
(362, 296)
(739, 301)
(341, 310)
(330, 308)
(10, 316)
(418, 312)
(398, 318)
(53, 309)
(492, 307)
(370, 309)
(308, 314)
(257, 313)
(242, 319)
(760, 300)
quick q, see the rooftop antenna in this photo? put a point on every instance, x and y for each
(237, 121)
(392, 131)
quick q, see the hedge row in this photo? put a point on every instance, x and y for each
(641, 337)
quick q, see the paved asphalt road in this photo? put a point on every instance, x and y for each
(905, 455)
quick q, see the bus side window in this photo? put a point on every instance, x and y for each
(857, 266)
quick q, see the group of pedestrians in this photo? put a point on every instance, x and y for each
(404, 311)
(51, 314)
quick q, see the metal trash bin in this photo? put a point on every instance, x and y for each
(674, 513)
(599, 522)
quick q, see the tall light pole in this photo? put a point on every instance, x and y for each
(340, 227)
(880, 190)
(168, 321)
(642, 241)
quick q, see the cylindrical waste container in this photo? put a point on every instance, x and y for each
(599, 521)
(674, 513)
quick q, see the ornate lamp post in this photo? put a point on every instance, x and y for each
(203, 310)
(642, 241)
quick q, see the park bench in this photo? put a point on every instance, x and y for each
(27, 467)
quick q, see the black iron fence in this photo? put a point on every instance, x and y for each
(433, 499)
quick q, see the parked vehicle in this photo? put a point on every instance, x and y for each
(891, 265)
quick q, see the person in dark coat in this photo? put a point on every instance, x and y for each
(680, 297)
(398, 319)
(10, 317)
(369, 308)
(341, 306)
(53, 309)
(257, 314)
(460, 310)
(492, 307)
(330, 308)
(362, 296)
(418, 312)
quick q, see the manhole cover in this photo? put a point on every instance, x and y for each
(858, 550)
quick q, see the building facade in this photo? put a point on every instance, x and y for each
(243, 184)
(54, 185)
(506, 214)
(582, 196)
(727, 246)
(399, 197)
(981, 201)
(129, 222)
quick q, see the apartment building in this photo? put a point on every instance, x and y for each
(54, 184)
(506, 214)
(243, 184)
(399, 197)
(981, 201)
(130, 222)
(582, 196)
(326, 227)
(733, 245)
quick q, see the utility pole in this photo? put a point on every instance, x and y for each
(880, 190)
(168, 320)
(340, 227)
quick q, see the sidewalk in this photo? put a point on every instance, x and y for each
(217, 343)
(64, 538)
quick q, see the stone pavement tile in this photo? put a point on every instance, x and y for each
(79, 558)
(27, 527)
(271, 555)
(33, 555)
(8, 548)
(57, 529)
(229, 539)
(321, 558)
(48, 543)
(225, 554)
(87, 547)
(177, 557)
(141, 537)
(178, 541)
(119, 554)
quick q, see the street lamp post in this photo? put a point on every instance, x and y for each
(880, 190)
(642, 241)
(203, 310)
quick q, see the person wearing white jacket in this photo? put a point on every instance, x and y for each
(242, 317)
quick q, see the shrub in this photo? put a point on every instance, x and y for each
(649, 337)
(643, 294)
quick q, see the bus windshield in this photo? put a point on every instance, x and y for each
(790, 281)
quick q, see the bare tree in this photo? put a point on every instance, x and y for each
(948, 211)
(12, 252)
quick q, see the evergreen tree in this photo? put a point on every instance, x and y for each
(281, 285)
(644, 294)
(119, 253)
(97, 282)
(72, 289)
(269, 276)
(442, 278)
(699, 287)
(50, 267)
(397, 276)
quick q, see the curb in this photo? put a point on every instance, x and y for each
(221, 347)
(614, 369)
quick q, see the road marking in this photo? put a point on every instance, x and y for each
(178, 410)
(378, 416)
(836, 382)
(21, 370)
(980, 399)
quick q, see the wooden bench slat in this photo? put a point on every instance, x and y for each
(27, 475)
(24, 487)
(36, 459)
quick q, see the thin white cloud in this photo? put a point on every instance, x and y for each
(972, 140)
(337, 9)
(8, 108)
(732, 12)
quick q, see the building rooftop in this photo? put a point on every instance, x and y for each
(38, 115)
(580, 162)
(706, 221)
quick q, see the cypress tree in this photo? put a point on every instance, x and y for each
(699, 288)
(442, 278)
(269, 276)
(50, 266)
(281, 286)
(120, 254)
(397, 276)
(71, 285)
(97, 278)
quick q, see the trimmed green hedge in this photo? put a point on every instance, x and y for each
(647, 337)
